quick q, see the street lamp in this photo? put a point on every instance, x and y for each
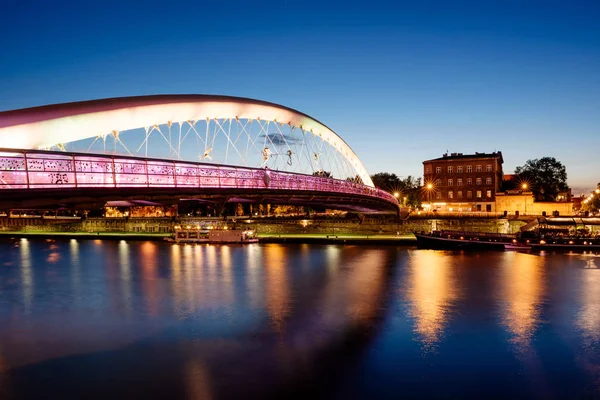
(396, 194)
(524, 186)
(429, 187)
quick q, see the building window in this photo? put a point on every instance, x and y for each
(450, 170)
(469, 194)
(438, 170)
(479, 194)
(438, 195)
(478, 168)
(459, 193)
(450, 195)
(488, 168)
(450, 182)
(488, 207)
(459, 181)
(459, 169)
(469, 168)
(488, 181)
(488, 194)
(428, 169)
(469, 181)
(478, 181)
(438, 182)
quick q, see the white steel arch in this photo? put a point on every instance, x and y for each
(54, 125)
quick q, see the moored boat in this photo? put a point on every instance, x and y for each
(213, 236)
(456, 240)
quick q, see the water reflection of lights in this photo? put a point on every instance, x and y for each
(432, 293)
(125, 274)
(26, 273)
(277, 285)
(226, 277)
(149, 271)
(523, 285)
(588, 317)
(74, 253)
(333, 258)
(364, 284)
(198, 381)
(254, 255)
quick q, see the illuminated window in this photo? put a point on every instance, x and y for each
(478, 168)
(450, 170)
(438, 195)
(479, 194)
(438, 170)
(488, 181)
(469, 181)
(488, 194)
(469, 168)
(459, 169)
(438, 182)
(469, 194)
(450, 182)
(459, 194)
(450, 194)
(459, 181)
(488, 168)
(478, 181)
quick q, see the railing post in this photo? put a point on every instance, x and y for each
(26, 168)
(147, 173)
(74, 169)
(114, 172)
(174, 174)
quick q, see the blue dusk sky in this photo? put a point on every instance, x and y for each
(400, 82)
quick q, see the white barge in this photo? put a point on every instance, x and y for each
(212, 236)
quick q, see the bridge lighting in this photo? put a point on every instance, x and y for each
(396, 194)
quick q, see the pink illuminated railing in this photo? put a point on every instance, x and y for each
(44, 170)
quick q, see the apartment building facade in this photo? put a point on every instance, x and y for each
(458, 182)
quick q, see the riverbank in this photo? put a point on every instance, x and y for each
(403, 239)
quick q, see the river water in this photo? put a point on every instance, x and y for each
(109, 319)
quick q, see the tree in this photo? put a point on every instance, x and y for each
(323, 174)
(408, 187)
(356, 179)
(592, 202)
(545, 177)
(386, 181)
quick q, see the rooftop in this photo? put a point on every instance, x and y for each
(461, 156)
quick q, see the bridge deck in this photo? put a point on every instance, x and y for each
(25, 173)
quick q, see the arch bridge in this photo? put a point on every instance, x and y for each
(168, 148)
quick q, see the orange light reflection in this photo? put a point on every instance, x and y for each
(432, 293)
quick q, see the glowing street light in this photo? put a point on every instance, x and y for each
(524, 186)
(429, 187)
(396, 194)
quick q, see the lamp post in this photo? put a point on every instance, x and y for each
(524, 186)
(429, 187)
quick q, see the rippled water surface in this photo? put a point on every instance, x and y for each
(102, 319)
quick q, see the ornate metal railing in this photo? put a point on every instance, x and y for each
(32, 169)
